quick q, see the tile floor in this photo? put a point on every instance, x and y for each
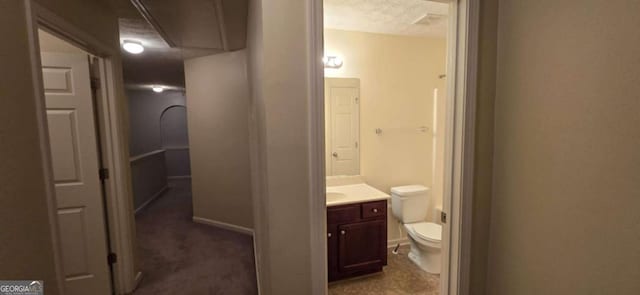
(399, 277)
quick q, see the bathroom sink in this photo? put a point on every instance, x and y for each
(335, 196)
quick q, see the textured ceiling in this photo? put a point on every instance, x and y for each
(395, 17)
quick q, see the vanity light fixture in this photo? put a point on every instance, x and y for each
(332, 62)
(133, 47)
(157, 89)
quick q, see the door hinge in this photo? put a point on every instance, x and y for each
(112, 258)
(104, 173)
(95, 83)
(443, 217)
(357, 99)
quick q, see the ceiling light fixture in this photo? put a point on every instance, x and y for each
(332, 62)
(157, 89)
(133, 47)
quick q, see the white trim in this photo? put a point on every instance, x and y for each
(177, 177)
(31, 18)
(137, 280)
(393, 243)
(145, 155)
(153, 198)
(316, 152)
(459, 150)
(223, 225)
(175, 148)
(255, 262)
(119, 206)
(117, 187)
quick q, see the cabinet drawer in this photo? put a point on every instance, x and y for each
(340, 214)
(374, 209)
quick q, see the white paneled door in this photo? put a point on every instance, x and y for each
(343, 95)
(74, 151)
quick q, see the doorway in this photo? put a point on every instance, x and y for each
(455, 98)
(70, 87)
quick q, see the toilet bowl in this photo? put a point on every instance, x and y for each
(410, 206)
(425, 241)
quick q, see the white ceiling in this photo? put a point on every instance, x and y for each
(395, 17)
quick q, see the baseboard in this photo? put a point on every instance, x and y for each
(255, 262)
(178, 177)
(137, 280)
(223, 225)
(153, 198)
(395, 242)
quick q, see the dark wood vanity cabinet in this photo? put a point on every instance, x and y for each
(356, 239)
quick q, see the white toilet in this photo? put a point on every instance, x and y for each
(410, 206)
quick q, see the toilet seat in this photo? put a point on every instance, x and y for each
(427, 231)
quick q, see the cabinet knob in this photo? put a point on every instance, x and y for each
(329, 235)
(342, 232)
(375, 210)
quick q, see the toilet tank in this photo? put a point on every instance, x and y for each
(410, 203)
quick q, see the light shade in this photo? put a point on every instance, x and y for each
(133, 47)
(158, 89)
(333, 62)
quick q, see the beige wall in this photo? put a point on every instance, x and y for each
(397, 77)
(217, 112)
(280, 112)
(27, 248)
(565, 216)
(483, 164)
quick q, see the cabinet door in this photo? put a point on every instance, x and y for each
(362, 246)
(332, 251)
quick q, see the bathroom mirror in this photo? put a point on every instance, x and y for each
(342, 126)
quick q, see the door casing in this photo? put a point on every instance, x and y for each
(462, 67)
(113, 141)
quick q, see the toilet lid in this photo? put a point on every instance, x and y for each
(428, 231)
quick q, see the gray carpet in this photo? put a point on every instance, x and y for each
(178, 256)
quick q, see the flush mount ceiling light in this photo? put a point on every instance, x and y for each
(133, 47)
(332, 62)
(157, 89)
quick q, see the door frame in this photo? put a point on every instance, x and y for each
(459, 145)
(113, 140)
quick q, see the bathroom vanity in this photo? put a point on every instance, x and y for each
(356, 230)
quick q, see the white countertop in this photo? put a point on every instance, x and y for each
(353, 193)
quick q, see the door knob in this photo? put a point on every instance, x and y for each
(343, 232)
(375, 210)
(329, 235)
(335, 154)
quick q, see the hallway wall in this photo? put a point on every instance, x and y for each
(158, 141)
(218, 114)
(565, 216)
(25, 196)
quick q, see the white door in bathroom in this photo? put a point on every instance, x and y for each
(74, 151)
(343, 97)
